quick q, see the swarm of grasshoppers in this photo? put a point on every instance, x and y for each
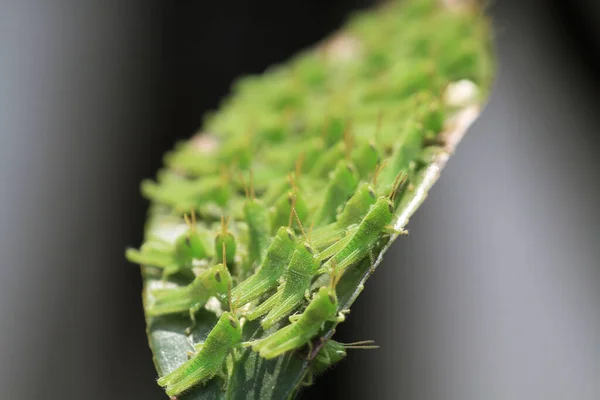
(263, 229)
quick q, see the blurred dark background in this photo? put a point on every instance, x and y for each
(494, 295)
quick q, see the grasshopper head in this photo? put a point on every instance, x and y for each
(308, 248)
(189, 246)
(230, 324)
(371, 191)
(335, 351)
(390, 206)
(326, 302)
(217, 280)
(384, 206)
(286, 235)
(225, 240)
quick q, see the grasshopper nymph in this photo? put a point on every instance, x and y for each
(225, 239)
(266, 277)
(295, 286)
(331, 353)
(209, 359)
(175, 257)
(257, 218)
(322, 308)
(215, 281)
(359, 244)
(210, 356)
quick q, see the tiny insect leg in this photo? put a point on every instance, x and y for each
(197, 348)
(223, 374)
(309, 378)
(168, 271)
(390, 230)
(193, 310)
(341, 317)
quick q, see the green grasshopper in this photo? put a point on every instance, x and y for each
(330, 353)
(268, 273)
(210, 358)
(357, 246)
(227, 240)
(342, 184)
(340, 149)
(210, 355)
(172, 258)
(366, 158)
(406, 152)
(296, 284)
(322, 308)
(328, 160)
(215, 281)
(333, 130)
(282, 208)
(279, 186)
(257, 218)
(333, 352)
(351, 215)
(183, 194)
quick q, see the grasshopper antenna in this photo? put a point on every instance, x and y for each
(224, 255)
(232, 306)
(363, 344)
(300, 223)
(378, 170)
(191, 224)
(399, 180)
(292, 182)
(292, 208)
(224, 224)
(244, 185)
(229, 284)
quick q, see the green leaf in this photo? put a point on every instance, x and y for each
(380, 65)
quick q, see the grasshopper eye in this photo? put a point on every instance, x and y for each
(233, 323)
(290, 234)
(187, 241)
(391, 207)
(308, 248)
(218, 277)
(291, 198)
(372, 193)
(332, 299)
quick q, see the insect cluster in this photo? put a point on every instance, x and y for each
(297, 180)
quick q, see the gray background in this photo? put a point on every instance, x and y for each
(494, 295)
